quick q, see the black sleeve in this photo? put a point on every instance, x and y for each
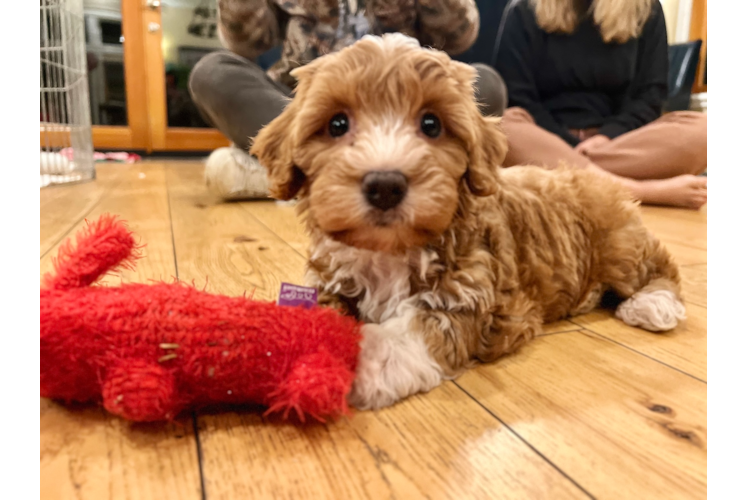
(515, 63)
(642, 104)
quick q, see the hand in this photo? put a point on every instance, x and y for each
(593, 142)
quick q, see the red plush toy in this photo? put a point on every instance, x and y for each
(148, 352)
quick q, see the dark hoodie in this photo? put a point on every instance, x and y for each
(578, 81)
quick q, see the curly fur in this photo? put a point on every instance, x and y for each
(475, 258)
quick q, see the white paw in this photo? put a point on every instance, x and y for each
(656, 311)
(393, 365)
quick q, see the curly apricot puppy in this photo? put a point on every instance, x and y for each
(417, 231)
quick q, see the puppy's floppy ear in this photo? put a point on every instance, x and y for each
(486, 156)
(275, 145)
(485, 142)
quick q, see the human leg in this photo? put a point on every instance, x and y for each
(530, 144)
(490, 90)
(672, 145)
(236, 97)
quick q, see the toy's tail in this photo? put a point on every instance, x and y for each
(102, 246)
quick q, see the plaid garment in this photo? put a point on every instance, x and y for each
(308, 29)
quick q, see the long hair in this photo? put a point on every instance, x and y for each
(617, 20)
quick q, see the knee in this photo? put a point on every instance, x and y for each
(689, 139)
(693, 127)
(203, 73)
(516, 114)
(490, 90)
(210, 71)
(690, 121)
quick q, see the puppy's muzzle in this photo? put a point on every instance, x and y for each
(384, 189)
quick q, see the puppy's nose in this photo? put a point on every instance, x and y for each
(384, 189)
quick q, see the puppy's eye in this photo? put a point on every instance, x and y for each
(430, 125)
(338, 125)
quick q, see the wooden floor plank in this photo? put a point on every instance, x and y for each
(439, 445)
(685, 255)
(281, 218)
(619, 424)
(224, 244)
(139, 199)
(693, 284)
(677, 227)
(62, 206)
(86, 453)
(559, 326)
(599, 409)
(651, 212)
(683, 348)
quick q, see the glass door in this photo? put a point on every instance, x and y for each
(139, 55)
(177, 34)
(114, 51)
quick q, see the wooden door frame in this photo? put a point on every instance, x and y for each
(135, 74)
(698, 32)
(133, 136)
(145, 92)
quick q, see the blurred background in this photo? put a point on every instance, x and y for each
(139, 54)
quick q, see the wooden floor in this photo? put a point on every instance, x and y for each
(591, 409)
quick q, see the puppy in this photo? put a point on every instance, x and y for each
(415, 229)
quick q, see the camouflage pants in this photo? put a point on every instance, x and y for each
(238, 98)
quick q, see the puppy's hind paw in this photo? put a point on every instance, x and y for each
(656, 310)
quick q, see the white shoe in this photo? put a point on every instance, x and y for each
(233, 174)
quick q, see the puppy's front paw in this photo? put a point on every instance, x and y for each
(368, 394)
(392, 365)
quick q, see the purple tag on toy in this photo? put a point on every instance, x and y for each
(295, 295)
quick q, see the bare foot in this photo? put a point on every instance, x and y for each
(687, 191)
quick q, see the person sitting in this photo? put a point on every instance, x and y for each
(586, 83)
(238, 97)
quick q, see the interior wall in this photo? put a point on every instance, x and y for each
(670, 8)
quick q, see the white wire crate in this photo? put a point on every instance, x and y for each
(65, 117)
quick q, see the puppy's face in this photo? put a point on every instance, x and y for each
(381, 141)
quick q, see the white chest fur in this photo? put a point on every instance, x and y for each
(394, 360)
(381, 280)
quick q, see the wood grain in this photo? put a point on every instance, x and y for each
(609, 412)
(104, 136)
(682, 227)
(194, 139)
(62, 207)
(115, 138)
(621, 425)
(683, 348)
(697, 31)
(86, 453)
(153, 84)
(137, 76)
(559, 327)
(281, 218)
(225, 245)
(139, 199)
(685, 255)
(693, 284)
(439, 445)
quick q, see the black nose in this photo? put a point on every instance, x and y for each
(385, 189)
